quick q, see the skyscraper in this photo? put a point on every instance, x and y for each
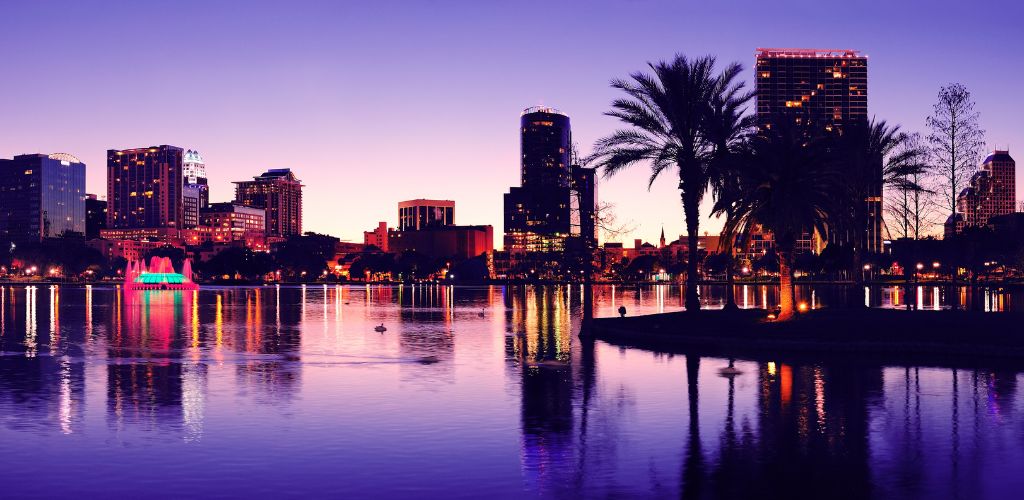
(41, 196)
(144, 188)
(196, 190)
(278, 192)
(537, 214)
(823, 91)
(991, 192)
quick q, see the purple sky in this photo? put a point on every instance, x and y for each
(376, 102)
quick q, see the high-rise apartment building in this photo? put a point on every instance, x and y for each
(991, 192)
(41, 196)
(823, 91)
(95, 216)
(278, 192)
(144, 188)
(537, 213)
(196, 189)
(422, 214)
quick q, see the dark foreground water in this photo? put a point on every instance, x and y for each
(471, 392)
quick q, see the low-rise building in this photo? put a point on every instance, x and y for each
(458, 242)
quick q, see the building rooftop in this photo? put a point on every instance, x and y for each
(542, 109)
(425, 201)
(821, 53)
(998, 155)
(274, 173)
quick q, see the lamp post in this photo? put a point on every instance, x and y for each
(867, 272)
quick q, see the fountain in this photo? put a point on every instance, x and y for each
(159, 275)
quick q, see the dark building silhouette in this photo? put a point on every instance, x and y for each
(41, 196)
(95, 216)
(537, 214)
(144, 188)
(278, 192)
(824, 91)
(455, 242)
(583, 214)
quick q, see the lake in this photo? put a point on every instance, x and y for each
(470, 392)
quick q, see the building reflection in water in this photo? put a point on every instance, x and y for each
(539, 346)
(426, 328)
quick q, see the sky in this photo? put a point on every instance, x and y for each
(371, 103)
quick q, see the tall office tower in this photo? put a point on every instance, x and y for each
(144, 188)
(278, 192)
(823, 91)
(95, 216)
(41, 196)
(196, 190)
(991, 192)
(537, 214)
(422, 214)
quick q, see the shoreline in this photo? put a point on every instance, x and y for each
(944, 336)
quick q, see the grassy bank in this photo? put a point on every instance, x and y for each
(881, 333)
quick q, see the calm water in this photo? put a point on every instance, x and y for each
(470, 392)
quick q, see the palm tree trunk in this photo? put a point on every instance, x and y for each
(786, 294)
(691, 212)
(856, 292)
(730, 279)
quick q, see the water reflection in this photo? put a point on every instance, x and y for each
(473, 392)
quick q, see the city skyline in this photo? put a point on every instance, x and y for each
(326, 114)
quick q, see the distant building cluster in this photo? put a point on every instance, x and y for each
(991, 192)
(156, 196)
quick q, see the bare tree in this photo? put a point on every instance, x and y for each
(911, 205)
(956, 141)
(608, 223)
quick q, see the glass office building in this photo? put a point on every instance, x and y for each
(41, 196)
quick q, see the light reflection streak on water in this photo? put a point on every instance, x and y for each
(218, 324)
(30, 321)
(920, 297)
(88, 312)
(819, 398)
(65, 403)
(54, 319)
(195, 320)
(935, 298)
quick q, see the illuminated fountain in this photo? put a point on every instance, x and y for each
(159, 275)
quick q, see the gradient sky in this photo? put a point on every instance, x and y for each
(376, 102)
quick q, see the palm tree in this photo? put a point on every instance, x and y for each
(728, 128)
(667, 114)
(788, 186)
(873, 155)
